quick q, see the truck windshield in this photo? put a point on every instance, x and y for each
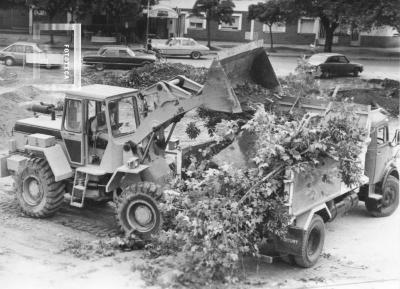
(123, 116)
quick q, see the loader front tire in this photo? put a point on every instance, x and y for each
(137, 210)
(312, 243)
(38, 194)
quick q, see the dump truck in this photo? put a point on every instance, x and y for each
(110, 143)
(312, 201)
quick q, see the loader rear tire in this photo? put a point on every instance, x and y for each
(38, 194)
(312, 243)
(389, 202)
(137, 210)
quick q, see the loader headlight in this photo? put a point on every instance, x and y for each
(133, 162)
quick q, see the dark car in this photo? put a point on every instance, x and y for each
(118, 56)
(329, 64)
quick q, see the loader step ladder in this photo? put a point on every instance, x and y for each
(79, 189)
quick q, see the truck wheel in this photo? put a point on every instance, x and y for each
(38, 194)
(356, 71)
(389, 202)
(9, 61)
(137, 211)
(195, 55)
(312, 243)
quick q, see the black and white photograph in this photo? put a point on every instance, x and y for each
(199, 144)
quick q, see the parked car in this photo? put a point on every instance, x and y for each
(329, 64)
(179, 46)
(24, 52)
(117, 56)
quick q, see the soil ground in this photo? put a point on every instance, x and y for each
(359, 252)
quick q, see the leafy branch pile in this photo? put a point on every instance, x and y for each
(218, 216)
(143, 77)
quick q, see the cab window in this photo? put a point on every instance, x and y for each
(73, 116)
(382, 135)
(110, 52)
(342, 59)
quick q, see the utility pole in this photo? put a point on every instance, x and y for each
(147, 24)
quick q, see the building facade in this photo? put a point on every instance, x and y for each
(304, 31)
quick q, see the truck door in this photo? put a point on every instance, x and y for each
(72, 130)
(378, 154)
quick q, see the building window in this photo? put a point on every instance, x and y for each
(197, 22)
(306, 25)
(276, 28)
(236, 24)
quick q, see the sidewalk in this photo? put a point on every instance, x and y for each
(282, 50)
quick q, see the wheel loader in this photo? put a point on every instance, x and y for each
(109, 144)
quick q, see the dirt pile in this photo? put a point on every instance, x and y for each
(10, 110)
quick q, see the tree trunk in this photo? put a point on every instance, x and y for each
(271, 37)
(208, 32)
(328, 39)
(51, 31)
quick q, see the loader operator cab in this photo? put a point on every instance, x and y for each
(94, 116)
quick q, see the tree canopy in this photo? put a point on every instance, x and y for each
(214, 10)
(270, 13)
(363, 13)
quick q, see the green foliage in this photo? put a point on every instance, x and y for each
(192, 130)
(143, 77)
(218, 216)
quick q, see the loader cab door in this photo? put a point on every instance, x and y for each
(72, 130)
(378, 154)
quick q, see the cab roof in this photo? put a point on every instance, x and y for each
(100, 92)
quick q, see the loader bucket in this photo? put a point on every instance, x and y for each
(245, 63)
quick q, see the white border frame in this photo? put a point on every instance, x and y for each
(76, 28)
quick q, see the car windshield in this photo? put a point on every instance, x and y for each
(123, 116)
(317, 59)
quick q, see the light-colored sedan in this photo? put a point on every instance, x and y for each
(179, 46)
(16, 53)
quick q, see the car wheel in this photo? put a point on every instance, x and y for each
(356, 71)
(9, 61)
(99, 67)
(195, 55)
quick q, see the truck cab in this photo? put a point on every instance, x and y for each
(381, 168)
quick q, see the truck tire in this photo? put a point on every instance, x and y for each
(389, 202)
(37, 193)
(137, 210)
(312, 243)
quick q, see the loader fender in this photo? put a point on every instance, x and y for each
(124, 175)
(56, 158)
